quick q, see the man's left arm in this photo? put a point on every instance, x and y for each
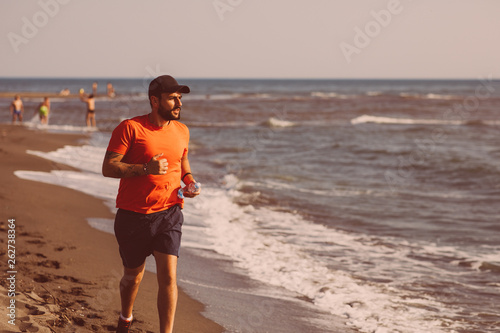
(187, 176)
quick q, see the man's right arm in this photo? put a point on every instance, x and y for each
(113, 167)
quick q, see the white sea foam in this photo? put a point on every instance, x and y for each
(88, 183)
(281, 249)
(227, 96)
(223, 96)
(440, 96)
(275, 122)
(105, 225)
(275, 248)
(428, 96)
(402, 121)
(223, 124)
(331, 95)
(86, 158)
(34, 123)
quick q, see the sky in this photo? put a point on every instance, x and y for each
(354, 39)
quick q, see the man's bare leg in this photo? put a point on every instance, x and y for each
(129, 286)
(166, 272)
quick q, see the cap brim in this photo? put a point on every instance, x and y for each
(183, 89)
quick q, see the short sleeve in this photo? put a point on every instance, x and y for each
(121, 138)
(187, 142)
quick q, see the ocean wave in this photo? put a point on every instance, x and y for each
(229, 124)
(127, 97)
(61, 128)
(402, 121)
(478, 265)
(275, 247)
(374, 93)
(89, 183)
(334, 191)
(320, 94)
(228, 96)
(488, 266)
(84, 157)
(439, 96)
(480, 122)
(428, 96)
(222, 96)
(34, 123)
(275, 122)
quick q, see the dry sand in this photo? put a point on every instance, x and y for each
(67, 273)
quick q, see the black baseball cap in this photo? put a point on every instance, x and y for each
(166, 84)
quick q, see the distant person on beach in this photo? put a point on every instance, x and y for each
(43, 110)
(110, 90)
(149, 154)
(64, 92)
(17, 109)
(94, 88)
(90, 101)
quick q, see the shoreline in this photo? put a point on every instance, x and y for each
(59, 284)
(38, 94)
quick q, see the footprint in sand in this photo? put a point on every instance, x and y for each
(50, 264)
(42, 278)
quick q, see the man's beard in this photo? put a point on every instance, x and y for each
(167, 114)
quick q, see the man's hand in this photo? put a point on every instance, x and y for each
(190, 191)
(157, 166)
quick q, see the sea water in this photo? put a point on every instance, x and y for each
(376, 201)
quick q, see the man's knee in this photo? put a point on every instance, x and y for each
(129, 280)
(132, 276)
(166, 270)
(167, 281)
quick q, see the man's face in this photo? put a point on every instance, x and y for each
(170, 106)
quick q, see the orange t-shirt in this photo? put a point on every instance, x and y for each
(139, 140)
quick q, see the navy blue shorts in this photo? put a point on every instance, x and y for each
(138, 235)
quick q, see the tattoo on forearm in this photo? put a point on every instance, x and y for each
(132, 171)
(120, 168)
(112, 154)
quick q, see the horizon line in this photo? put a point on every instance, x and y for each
(245, 78)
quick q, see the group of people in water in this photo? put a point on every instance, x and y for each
(43, 109)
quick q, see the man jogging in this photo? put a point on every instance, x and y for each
(149, 154)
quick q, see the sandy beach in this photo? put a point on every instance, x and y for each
(65, 273)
